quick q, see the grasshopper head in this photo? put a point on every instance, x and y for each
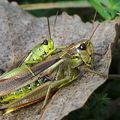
(84, 53)
(49, 43)
(85, 50)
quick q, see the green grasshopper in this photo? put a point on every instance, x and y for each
(51, 74)
(36, 55)
(40, 52)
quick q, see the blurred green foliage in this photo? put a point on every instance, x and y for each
(98, 105)
(108, 9)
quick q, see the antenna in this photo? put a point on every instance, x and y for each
(94, 17)
(49, 27)
(93, 25)
(94, 31)
(53, 25)
(55, 21)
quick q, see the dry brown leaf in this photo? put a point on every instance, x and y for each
(24, 31)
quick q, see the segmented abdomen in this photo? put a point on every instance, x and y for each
(21, 92)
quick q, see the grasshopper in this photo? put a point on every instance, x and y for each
(40, 52)
(37, 54)
(51, 74)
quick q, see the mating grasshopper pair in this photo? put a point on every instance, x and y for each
(19, 88)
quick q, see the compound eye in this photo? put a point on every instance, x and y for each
(82, 46)
(1, 71)
(45, 42)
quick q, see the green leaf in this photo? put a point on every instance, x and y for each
(104, 12)
(105, 2)
(117, 6)
(108, 9)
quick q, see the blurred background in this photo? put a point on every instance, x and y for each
(104, 103)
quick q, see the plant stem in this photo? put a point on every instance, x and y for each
(68, 4)
(114, 76)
